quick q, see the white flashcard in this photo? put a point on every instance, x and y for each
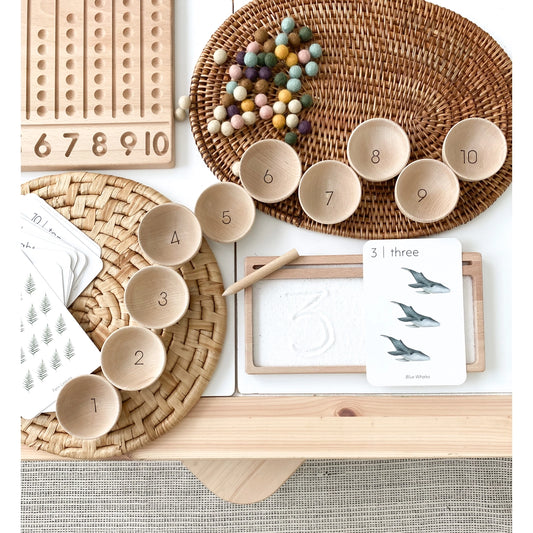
(414, 312)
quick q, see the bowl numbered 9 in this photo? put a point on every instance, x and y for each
(170, 234)
(475, 149)
(156, 297)
(270, 170)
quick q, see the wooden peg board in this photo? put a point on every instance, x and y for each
(97, 84)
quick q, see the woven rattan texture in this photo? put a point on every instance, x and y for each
(413, 62)
(109, 209)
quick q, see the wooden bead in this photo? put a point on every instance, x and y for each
(284, 96)
(281, 51)
(278, 121)
(220, 56)
(261, 35)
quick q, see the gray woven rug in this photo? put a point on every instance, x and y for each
(391, 496)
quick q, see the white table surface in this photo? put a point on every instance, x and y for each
(489, 233)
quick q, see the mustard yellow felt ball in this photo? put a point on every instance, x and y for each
(278, 121)
(247, 105)
(281, 51)
(285, 96)
(291, 59)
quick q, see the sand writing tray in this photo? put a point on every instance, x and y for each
(97, 84)
(328, 348)
(418, 64)
(109, 209)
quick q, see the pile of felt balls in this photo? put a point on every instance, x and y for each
(281, 61)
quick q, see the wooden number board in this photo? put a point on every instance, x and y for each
(97, 84)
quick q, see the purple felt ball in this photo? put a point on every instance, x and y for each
(251, 73)
(265, 73)
(239, 57)
(304, 127)
(232, 110)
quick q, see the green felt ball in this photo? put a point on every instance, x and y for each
(295, 71)
(282, 38)
(291, 138)
(271, 60)
(315, 50)
(294, 85)
(305, 34)
(280, 79)
(230, 86)
(306, 100)
(311, 69)
(250, 59)
(261, 59)
(287, 24)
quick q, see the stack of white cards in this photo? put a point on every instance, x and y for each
(57, 262)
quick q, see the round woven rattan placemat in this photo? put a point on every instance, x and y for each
(413, 62)
(109, 209)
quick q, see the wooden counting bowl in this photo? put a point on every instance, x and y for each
(226, 212)
(170, 234)
(426, 190)
(270, 170)
(133, 358)
(475, 149)
(378, 149)
(88, 406)
(329, 192)
(156, 297)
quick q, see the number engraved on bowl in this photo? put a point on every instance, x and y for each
(375, 159)
(175, 239)
(94, 402)
(139, 355)
(329, 194)
(469, 156)
(162, 299)
(422, 193)
(226, 219)
(268, 178)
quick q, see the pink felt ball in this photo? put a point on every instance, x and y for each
(304, 56)
(237, 121)
(235, 72)
(260, 99)
(266, 112)
(254, 47)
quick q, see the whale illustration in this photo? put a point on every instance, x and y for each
(417, 320)
(406, 353)
(427, 286)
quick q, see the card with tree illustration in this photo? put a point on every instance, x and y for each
(53, 346)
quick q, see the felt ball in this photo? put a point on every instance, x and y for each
(294, 85)
(247, 84)
(230, 86)
(294, 106)
(180, 114)
(261, 86)
(282, 38)
(278, 121)
(227, 99)
(280, 79)
(287, 24)
(291, 138)
(254, 47)
(213, 126)
(220, 113)
(304, 127)
(239, 57)
(266, 112)
(291, 59)
(292, 121)
(284, 96)
(315, 50)
(236, 168)
(261, 99)
(261, 59)
(269, 46)
(261, 35)
(247, 105)
(281, 51)
(305, 34)
(295, 71)
(237, 122)
(294, 39)
(249, 118)
(279, 107)
(240, 93)
(235, 72)
(220, 56)
(250, 59)
(311, 69)
(251, 73)
(304, 56)
(306, 100)
(226, 128)
(232, 110)
(184, 102)
(271, 60)
(265, 73)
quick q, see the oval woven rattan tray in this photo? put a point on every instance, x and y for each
(109, 209)
(413, 62)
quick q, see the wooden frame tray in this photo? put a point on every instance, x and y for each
(349, 266)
